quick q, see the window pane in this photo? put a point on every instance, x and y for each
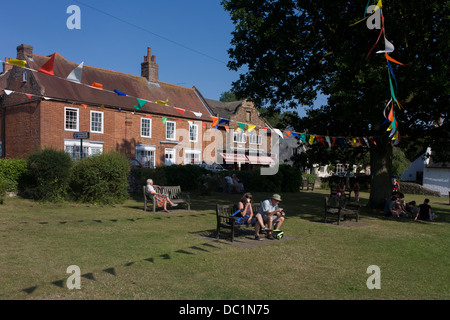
(145, 127)
(71, 119)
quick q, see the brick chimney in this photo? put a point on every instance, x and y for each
(23, 51)
(149, 68)
(6, 66)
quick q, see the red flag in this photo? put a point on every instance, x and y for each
(215, 121)
(180, 110)
(48, 66)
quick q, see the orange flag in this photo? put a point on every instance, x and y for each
(48, 66)
(391, 59)
(215, 121)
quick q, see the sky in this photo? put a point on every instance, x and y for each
(189, 38)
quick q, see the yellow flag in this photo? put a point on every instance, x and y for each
(311, 139)
(17, 62)
(164, 103)
(250, 127)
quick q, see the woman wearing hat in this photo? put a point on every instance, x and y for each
(271, 214)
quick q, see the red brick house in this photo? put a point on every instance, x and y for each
(155, 122)
(245, 139)
(40, 110)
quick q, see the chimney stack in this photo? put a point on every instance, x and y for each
(24, 51)
(6, 66)
(149, 68)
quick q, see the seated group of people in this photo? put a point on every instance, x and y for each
(397, 207)
(234, 183)
(269, 213)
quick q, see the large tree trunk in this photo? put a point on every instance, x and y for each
(381, 170)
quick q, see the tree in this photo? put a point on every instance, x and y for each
(295, 50)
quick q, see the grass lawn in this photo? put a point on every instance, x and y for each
(126, 253)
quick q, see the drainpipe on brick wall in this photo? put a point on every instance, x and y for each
(3, 146)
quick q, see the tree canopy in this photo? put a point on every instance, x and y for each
(296, 50)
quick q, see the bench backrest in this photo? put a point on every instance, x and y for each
(171, 191)
(333, 202)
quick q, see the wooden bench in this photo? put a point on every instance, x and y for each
(173, 192)
(341, 207)
(226, 220)
(348, 192)
(306, 185)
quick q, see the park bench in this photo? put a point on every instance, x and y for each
(173, 192)
(348, 192)
(225, 219)
(341, 207)
(307, 185)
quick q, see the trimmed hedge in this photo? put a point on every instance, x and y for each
(11, 171)
(188, 177)
(287, 179)
(101, 179)
(48, 175)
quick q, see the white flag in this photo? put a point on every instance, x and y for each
(75, 75)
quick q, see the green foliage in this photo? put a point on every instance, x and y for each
(101, 179)
(3, 188)
(399, 162)
(48, 175)
(186, 176)
(11, 171)
(287, 179)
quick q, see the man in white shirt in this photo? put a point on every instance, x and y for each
(271, 214)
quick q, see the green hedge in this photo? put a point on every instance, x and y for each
(11, 171)
(101, 179)
(287, 179)
(48, 175)
(187, 176)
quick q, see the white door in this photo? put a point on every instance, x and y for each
(169, 157)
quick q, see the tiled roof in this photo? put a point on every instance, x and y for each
(133, 86)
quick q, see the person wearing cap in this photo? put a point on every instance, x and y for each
(271, 214)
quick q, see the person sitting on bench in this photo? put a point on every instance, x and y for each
(271, 214)
(161, 199)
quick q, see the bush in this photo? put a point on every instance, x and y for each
(11, 171)
(185, 176)
(101, 179)
(3, 188)
(48, 174)
(287, 179)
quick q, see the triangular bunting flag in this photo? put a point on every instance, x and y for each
(278, 132)
(8, 92)
(227, 128)
(311, 139)
(215, 121)
(164, 119)
(48, 66)
(287, 133)
(197, 114)
(75, 75)
(164, 103)
(97, 85)
(251, 127)
(119, 93)
(241, 125)
(17, 62)
(180, 110)
(28, 95)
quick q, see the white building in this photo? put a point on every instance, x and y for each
(433, 176)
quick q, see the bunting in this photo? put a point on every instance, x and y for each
(75, 74)
(388, 48)
(17, 62)
(48, 66)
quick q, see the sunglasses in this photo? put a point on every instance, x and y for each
(248, 197)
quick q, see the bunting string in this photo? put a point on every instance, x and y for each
(75, 76)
